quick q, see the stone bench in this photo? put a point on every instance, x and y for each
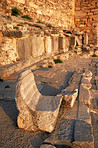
(36, 112)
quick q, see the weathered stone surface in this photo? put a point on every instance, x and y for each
(23, 48)
(83, 112)
(84, 95)
(69, 97)
(47, 146)
(47, 45)
(12, 33)
(85, 82)
(62, 43)
(36, 112)
(63, 133)
(37, 44)
(82, 135)
(54, 43)
(94, 101)
(94, 118)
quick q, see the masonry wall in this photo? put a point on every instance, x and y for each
(86, 18)
(57, 12)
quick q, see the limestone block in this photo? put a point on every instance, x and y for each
(37, 45)
(15, 33)
(48, 46)
(84, 95)
(54, 43)
(62, 43)
(36, 112)
(63, 133)
(87, 73)
(83, 112)
(86, 83)
(23, 48)
(82, 135)
(69, 97)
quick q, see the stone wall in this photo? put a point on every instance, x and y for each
(25, 48)
(86, 18)
(56, 12)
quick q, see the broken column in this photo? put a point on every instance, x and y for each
(47, 44)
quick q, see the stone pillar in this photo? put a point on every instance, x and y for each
(61, 43)
(85, 39)
(47, 44)
(37, 46)
(54, 43)
(23, 48)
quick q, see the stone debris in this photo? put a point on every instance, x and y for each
(69, 97)
(36, 112)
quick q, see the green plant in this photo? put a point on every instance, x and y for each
(1, 80)
(24, 8)
(38, 26)
(94, 55)
(26, 17)
(19, 25)
(49, 66)
(16, 11)
(57, 61)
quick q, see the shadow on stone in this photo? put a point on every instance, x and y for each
(10, 109)
(62, 146)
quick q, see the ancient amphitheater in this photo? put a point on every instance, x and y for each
(49, 74)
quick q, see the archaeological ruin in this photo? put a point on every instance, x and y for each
(49, 73)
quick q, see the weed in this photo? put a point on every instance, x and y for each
(24, 8)
(26, 17)
(38, 26)
(16, 12)
(58, 61)
(94, 55)
(19, 25)
(49, 66)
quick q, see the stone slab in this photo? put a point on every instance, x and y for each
(94, 118)
(82, 135)
(63, 133)
(84, 95)
(83, 112)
